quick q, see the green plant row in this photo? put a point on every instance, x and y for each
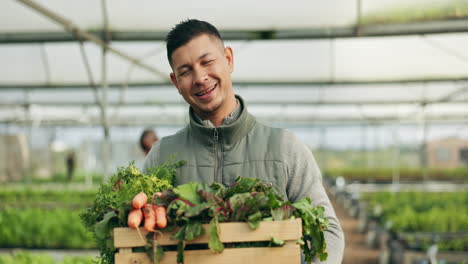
(78, 177)
(29, 258)
(392, 202)
(408, 213)
(31, 195)
(444, 244)
(40, 228)
(407, 219)
(405, 174)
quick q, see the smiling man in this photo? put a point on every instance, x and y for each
(223, 140)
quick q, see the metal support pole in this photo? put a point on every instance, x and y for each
(105, 88)
(105, 124)
(375, 160)
(423, 155)
(358, 18)
(396, 159)
(332, 53)
(423, 151)
(27, 169)
(369, 150)
(363, 145)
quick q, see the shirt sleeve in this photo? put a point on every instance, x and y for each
(305, 180)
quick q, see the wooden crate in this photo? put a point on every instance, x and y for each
(290, 231)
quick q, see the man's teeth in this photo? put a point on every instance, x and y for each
(206, 91)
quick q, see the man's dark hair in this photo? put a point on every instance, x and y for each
(185, 31)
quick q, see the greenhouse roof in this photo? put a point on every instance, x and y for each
(329, 61)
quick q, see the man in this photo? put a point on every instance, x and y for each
(70, 162)
(223, 140)
(147, 139)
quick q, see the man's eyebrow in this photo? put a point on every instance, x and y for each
(188, 66)
(203, 56)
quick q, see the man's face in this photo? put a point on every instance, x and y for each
(202, 73)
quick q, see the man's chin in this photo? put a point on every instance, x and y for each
(207, 109)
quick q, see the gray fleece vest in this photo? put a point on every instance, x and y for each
(244, 148)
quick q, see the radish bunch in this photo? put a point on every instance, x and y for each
(154, 215)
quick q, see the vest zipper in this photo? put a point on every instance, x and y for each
(218, 157)
(216, 135)
(216, 146)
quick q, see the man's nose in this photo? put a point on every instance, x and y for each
(201, 76)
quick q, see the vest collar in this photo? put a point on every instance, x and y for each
(228, 134)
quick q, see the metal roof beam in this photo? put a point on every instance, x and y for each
(304, 121)
(415, 28)
(270, 102)
(258, 84)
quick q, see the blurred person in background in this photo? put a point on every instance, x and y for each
(70, 164)
(223, 140)
(147, 139)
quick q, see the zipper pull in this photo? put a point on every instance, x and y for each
(216, 134)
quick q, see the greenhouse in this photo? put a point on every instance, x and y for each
(376, 90)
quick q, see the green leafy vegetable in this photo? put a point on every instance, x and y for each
(313, 223)
(215, 243)
(276, 241)
(191, 205)
(247, 200)
(102, 228)
(188, 192)
(180, 252)
(254, 220)
(112, 203)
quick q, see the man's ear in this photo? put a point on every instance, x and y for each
(229, 54)
(174, 81)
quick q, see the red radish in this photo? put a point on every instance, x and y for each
(150, 217)
(161, 217)
(134, 218)
(139, 200)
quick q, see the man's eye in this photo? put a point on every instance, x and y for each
(208, 62)
(184, 73)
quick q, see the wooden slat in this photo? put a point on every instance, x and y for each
(230, 232)
(289, 253)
